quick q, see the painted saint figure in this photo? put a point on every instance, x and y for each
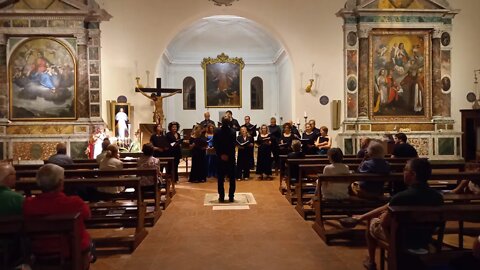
(122, 119)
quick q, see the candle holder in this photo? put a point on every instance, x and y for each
(281, 120)
(305, 117)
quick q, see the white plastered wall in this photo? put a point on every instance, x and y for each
(140, 30)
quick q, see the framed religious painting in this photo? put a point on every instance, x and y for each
(223, 81)
(400, 75)
(120, 119)
(42, 79)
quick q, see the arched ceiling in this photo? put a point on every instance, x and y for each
(235, 36)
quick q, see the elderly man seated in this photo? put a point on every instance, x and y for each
(52, 201)
(61, 158)
(10, 201)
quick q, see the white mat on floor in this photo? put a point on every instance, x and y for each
(247, 198)
(231, 207)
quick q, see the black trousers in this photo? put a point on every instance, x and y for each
(226, 169)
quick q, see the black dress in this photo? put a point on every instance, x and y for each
(264, 155)
(161, 142)
(321, 139)
(308, 143)
(175, 150)
(252, 130)
(243, 160)
(198, 173)
(285, 145)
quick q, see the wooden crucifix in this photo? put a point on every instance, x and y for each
(157, 98)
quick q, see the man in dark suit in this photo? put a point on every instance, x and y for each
(275, 133)
(207, 120)
(224, 144)
(233, 122)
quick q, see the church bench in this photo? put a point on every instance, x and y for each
(333, 209)
(405, 217)
(285, 163)
(112, 213)
(24, 230)
(126, 172)
(307, 177)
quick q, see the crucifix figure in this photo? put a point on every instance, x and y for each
(157, 98)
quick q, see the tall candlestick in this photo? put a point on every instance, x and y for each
(304, 114)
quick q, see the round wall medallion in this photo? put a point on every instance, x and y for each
(471, 97)
(122, 99)
(324, 100)
(352, 83)
(445, 39)
(446, 84)
(352, 38)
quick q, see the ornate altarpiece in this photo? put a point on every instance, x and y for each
(397, 74)
(76, 25)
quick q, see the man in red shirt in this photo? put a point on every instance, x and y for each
(52, 201)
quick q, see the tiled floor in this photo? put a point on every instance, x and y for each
(271, 235)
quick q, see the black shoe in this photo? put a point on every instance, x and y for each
(221, 200)
(231, 200)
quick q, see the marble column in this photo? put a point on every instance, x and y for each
(3, 79)
(363, 74)
(83, 110)
(440, 101)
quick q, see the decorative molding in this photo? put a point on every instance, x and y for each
(223, 2)
(222, 58)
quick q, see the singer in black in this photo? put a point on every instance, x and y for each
(285, 145)
(224, 144)
(275, 132)
(175, 151)
(308, 140)
(198, 146)
(264, 155)
(252, 131)
(245, 147)
(160, 142)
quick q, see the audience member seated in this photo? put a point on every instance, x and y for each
(375, 163)
(323, 142)
(416, 174)
(111, 162)
(61, 158)
(102, 155)
(52, 201)
(335, 190)
(147, 161)
(362, 153)
(10, 201)
(297, 153)
(10, 204)
(402, 148)
(466, 186)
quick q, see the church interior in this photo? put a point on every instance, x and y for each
(78, 72)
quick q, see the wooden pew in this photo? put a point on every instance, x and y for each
(308, 173)
(156, 197)
(326, 210)
(110, 214)
(405, 217)
(316, 159)
(29, 229)
(126, 165)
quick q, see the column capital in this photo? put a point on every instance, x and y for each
(3, 39)
(81, 38)
(364, 32)
(437, 33)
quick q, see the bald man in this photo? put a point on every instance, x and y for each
(60, 158)
(10, 202)
(207, 120)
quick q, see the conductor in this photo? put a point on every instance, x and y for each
(224, 144)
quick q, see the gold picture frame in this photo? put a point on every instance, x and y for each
(116, 125)
(400, 82)
(223, 81)
(42, 76)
